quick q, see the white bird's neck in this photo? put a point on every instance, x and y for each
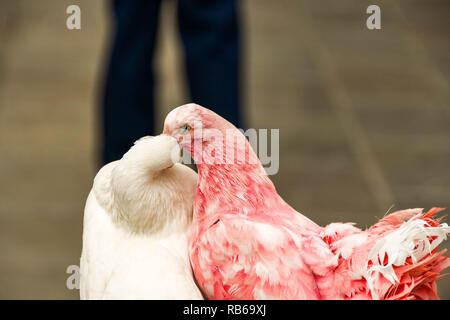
(144, 201)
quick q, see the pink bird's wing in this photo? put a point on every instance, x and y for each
(238, 257)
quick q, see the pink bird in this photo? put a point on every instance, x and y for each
(246, 242)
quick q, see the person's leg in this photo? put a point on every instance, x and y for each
(128, 94)
(210, 33)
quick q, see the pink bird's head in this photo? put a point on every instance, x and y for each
(184, 122)
(230, 174)
(208, 137)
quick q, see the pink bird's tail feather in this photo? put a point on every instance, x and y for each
(396, 259)
(404, 263)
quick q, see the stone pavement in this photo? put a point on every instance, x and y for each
(363, 117)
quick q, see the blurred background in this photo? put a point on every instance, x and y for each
(364, 116)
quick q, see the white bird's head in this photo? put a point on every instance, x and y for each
(148, 190)
(153, 154)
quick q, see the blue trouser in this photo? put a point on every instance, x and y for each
(210, 35)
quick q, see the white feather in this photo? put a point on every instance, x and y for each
(412, 239)
(135, 227)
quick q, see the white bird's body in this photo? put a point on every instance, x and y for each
(136, 221)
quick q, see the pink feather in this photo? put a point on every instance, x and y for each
(247, 243)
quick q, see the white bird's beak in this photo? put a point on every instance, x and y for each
(175, 155)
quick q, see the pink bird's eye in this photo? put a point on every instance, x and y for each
(184, 129)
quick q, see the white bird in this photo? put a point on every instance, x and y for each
(136, 220)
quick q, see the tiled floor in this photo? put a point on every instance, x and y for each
(363, 117)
